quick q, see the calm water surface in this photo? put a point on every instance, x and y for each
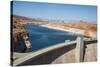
(41, 37)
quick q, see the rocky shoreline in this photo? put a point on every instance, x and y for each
(79, 31)
(20, 41)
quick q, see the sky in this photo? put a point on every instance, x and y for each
(51, 11)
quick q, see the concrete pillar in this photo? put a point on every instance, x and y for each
(79, 49)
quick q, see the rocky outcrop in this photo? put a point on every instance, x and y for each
(19, 40)
(18, 43)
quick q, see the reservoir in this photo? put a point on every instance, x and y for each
(41, 37)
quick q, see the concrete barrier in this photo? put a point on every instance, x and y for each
(79, 55)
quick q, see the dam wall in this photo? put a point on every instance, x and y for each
(61, 53)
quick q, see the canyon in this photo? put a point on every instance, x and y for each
(85, 28)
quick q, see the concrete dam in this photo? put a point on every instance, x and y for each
(77, 49)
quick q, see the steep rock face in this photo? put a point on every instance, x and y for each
(18, 34)
(18, 43)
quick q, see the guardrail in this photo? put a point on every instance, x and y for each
(78, 50)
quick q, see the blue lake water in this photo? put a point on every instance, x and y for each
(41, 37)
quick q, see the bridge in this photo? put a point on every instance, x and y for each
(33, 58)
